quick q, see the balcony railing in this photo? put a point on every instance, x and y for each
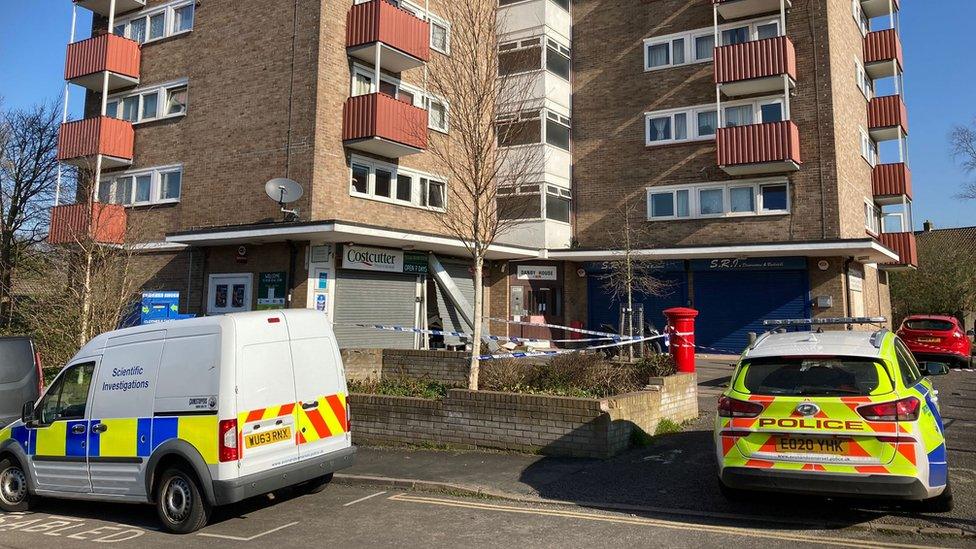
(877, 8)
(379, 124)
(104, 223)
(80, 141)
(102, 7)
(759, 148)
(883, 55)
(736, 9)
(403, 39)
(88, 59)
(887, 118)
(755, 67)
(891, 181)
(902, 244)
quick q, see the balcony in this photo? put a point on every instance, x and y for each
(379, 124)
(883, 56)
(737, 9)
(887, 118)
(104, 223)
(103, 7)
(904, 245)
(759, 148)
(80, 141)
(877, 8)
(403, 39)
(756, 67)
(891, 183)
(89, 59)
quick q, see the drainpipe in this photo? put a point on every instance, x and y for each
(847, 286)
(292, 256)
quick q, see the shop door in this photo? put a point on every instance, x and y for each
(538, 305)
(229, 293)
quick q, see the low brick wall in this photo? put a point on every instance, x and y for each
(448, 367)
(550, 425)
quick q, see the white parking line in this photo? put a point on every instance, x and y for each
(364, 499)
(252, 538)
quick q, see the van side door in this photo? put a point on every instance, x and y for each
(58, 437)
(321, 389)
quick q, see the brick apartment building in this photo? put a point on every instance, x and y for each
(772, 168)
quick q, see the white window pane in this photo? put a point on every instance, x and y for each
(171, 184)
(681, 126)
(742, 199)
(704, 47)
(436, 195)
(183, 18)
(438, 115)
(738, 116)
(683, 210)
(137, 29)
(658, 55)
(678, 51)
(382, 184)
(176, 100)
(711, 201)
(157, 26)
(143, 188)
(150, 105)
(362, 85)
(360, 179)
(707, 122)
(659, 129)
(404, 188)
(130, 108)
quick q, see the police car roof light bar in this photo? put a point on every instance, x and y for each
(826, 321)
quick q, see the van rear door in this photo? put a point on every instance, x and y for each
(19, 377)
(320, 385)
(265, 394)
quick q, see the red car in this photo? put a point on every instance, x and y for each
(936, 338)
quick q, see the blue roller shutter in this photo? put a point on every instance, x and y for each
(602, 309)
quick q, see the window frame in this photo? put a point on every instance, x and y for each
(395, 171)
(869, 146)
(860, 18)
(694, 199)
(692, 131)
(430, 17)
(162, 92)
(155, 185)
(863, 81)
(691, 41)
(169, 20)
(562, 193)
(872, 217)
(420, 100)
(543, 115)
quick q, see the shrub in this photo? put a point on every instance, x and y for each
(401, 386)
(666, 426)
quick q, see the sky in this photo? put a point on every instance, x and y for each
(940, 85)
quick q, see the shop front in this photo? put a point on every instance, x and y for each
(535, 295)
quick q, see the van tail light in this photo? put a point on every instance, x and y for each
(905, 409)
(227, 429)
(348, 418)
(730, 407)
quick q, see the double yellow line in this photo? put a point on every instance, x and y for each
(671, 525)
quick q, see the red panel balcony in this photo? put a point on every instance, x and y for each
(883, 55)
(904, 245)
(877, 8)
(759, 148)
(89, 59)
(102, 7)
(379, 124)
(756, 67)
(80, 141)
(103, 223)
(402, 38)
(887, 118)
(891, 182)
(737, 9)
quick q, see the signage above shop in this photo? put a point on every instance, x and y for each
(364, 258)
(537, 272)
(750, 264)
(321, 254)
(415, 263)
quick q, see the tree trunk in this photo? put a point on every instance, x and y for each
(479, 294)
(86, 300)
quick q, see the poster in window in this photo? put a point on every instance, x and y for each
(220, 296)
(237, 298)
(271, 290)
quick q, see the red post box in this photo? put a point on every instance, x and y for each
(681, 334)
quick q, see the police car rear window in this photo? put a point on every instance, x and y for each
(929, 324)
(821, 376)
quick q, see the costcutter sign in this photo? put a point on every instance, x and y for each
(364, 258)
(536, 272)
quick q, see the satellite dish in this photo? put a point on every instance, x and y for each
(283, 190)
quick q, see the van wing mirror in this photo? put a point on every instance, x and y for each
(27, 412)
(936, 368)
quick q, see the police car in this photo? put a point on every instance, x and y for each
(186, 415)
(839, 413)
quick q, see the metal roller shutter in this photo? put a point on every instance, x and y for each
(732, 304)
(367, 297)
(453, 321)
(602, 309)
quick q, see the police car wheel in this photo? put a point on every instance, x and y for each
(14, 494)
(180, 503)
(315, 485)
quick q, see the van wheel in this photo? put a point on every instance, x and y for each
(941, 503)
(180, 503)
(14, 494)
(315, 485)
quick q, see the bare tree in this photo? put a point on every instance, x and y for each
(478, 168)
(962, 140)
(28, 175)
(631, 273)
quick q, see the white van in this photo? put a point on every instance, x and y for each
(186, 415)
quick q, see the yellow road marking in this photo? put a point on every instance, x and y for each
(672, 525)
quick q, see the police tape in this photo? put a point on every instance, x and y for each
(536, 354)
(513, 339)
(607, 335)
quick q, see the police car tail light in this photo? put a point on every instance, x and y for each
(730, 407)
(228, 440)
(905, 409)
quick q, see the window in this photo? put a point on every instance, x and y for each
(679, 49)
(739, 115)
(704, 47)
(518, 57)
(659, 129)
(144, 105)
(440, 30)
(813, 377)
(869, 150)
(557, 130)
(707, 123)
(558, 203)
(526, 128)
(863, 24)
(157, 23)
(872, 217)
(734, 198)
(756, 111)
(907, 366)
(390, 183)
(864, 82)
(519, 202)
(438, 111)
(557, 58)
(737, 35)
(436, 114)
(771, 111)
(68, 396)
(142, 187)
(692, 124)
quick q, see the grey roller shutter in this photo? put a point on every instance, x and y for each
(453, 320)
(366, 297)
